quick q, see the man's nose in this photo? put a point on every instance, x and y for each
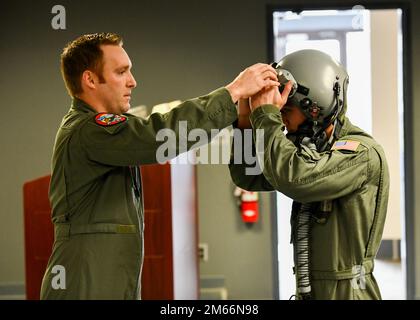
(131, 81)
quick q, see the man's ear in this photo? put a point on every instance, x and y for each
(89, 79)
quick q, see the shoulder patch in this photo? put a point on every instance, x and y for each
(345, 145)
(109, 119)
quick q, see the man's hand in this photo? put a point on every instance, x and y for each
(252, 80)
(272, 96)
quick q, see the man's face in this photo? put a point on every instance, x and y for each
(115, 92)
(292, 117)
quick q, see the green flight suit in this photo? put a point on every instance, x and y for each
(96, 200)
(344, 243)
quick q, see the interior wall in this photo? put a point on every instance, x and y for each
(179, 49)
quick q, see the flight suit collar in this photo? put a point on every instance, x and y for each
(80, 105)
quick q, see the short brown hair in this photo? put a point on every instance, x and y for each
(82, 54)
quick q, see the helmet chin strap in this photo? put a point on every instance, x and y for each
(304, 131)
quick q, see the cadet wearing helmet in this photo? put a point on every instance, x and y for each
(336, 174)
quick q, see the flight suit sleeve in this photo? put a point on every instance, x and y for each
(306, 175)
(247, 176)
(136, 141)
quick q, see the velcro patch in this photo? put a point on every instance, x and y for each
(109, 119)
(345, 145)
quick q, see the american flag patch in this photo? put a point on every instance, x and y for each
(345, 145)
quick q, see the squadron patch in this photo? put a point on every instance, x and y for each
(345, 145)
(109, 119)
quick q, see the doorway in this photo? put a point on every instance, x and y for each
(369, 43)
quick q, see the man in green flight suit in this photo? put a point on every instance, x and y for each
(95, 189)
(336, 174)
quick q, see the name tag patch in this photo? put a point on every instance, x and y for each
(345, 145)
(109, 119)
